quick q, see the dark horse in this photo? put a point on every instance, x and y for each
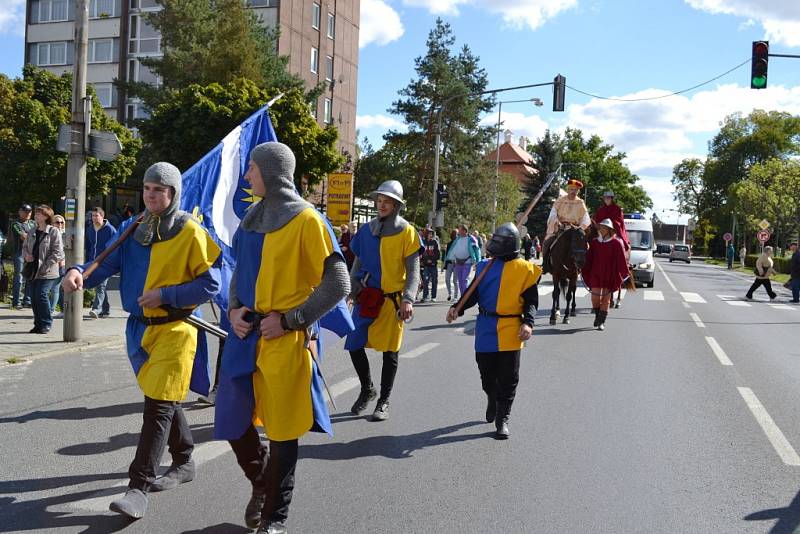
(567, 256)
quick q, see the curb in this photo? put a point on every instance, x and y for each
(77, 346)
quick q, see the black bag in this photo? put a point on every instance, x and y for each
(29, 270)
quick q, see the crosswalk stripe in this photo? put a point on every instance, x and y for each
(693, 297)
(545, 290)
(738, 303)
(419, 350)
(782, 307)
(653, 295)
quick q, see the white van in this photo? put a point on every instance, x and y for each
(640, 234)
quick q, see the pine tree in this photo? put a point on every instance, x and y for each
(547, 154)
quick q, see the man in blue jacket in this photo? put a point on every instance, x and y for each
(98, 233)
(465, 254)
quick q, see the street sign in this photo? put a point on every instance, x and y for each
(69, 209)
(727, 236)
(104, 146)
(763, 236)
(764, 224)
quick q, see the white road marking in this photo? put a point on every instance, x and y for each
(697, 321)
(419, 351)
(782, 307)
(545, 290)
(774, 434)
(693, 297)
(581, 292)
(686, 305)
(718, 352)
(738, 303)
(660, 268)
(344, 386)
(650, 294)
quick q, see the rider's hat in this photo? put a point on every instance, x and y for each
(609, 194)
(608, 224)
(576, 183)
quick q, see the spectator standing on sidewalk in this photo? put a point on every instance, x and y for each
(57, 293)
(764, 269)
(527, 246)
(44, 249)
(344, 243)
(730, 255)
(21, 288)
(430, 264)
(743, 255)
(465, 253)
(794, 273)
(537, 247)
(99, 233)
(449, 269)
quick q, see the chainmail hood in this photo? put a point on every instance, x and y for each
(168, 223)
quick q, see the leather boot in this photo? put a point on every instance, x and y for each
(501, 421)
(596, 312)
(601, 320)
(491, 408)
(175, 475)
(252, 514)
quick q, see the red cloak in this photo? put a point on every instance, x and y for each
(606, 266)
(614, 212)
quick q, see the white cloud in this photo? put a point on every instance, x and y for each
(384, 122)
(530, 126)
(517, 14)
(380, 23)
(780, 18)
(12, 17)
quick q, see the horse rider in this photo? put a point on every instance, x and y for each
(567, 210)
(605, 269)
(507, 297)
(612, 211)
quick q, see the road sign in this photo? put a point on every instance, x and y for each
(764, 224)
(727, 236)
(763, 236)
(104, 146)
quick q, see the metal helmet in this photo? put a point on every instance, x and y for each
(389, 188)
(504, 241)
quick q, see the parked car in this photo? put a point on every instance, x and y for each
(680, 252)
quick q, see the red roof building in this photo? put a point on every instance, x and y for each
(514, 160)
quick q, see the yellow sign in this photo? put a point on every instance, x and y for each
(340, 198)
(764, 224)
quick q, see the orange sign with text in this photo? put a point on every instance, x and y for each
(340, 198)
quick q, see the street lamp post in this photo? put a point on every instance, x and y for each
(677, 222)
(439, 132)
(537, 102)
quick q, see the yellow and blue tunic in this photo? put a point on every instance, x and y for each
(502, 296)
(275, 383)
(383, 259)
(168, 359)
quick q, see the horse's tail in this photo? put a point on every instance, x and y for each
(563, 284)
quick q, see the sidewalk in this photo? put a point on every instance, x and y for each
(17, 343)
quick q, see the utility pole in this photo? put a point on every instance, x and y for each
(75, 198)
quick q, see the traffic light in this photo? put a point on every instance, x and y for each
(441, 196)
(559, 89)
(759, 64)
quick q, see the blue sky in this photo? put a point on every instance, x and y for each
(622, 48)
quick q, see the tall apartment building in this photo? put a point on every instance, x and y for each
(319, 36)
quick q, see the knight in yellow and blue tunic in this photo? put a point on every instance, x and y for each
(507, 297)
(289, 273)
(168, 268)
(384, 280)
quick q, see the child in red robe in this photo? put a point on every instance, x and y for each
(605, 269)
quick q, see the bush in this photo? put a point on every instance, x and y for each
(782, 265)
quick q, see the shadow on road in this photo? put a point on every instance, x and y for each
(42, 484)
(37, 515)
(77, 414)
(393, 447)
(788, 517)
(222, 528)
(558, 331)
(201, 433)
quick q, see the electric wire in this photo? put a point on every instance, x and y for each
(675, 93)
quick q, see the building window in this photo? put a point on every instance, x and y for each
(144, 38)
(144, 4)
(102, 9)
(329, 68)
(262, 3)
(52, 10)
(331, 25)
(328, 111)
(139, 73)
(313, 107)
(315, 14)
(51, 54)
(105, 94)
(101, 50)
(314, 60)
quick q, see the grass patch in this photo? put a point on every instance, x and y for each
(14, 360)
(778, 278)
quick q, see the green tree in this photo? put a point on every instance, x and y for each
(547, 153)
(192, 121)
(771, 191)
(601, 169)
(689, 184)
(31, 169)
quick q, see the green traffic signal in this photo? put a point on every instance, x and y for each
(759, 65)
(758, 82)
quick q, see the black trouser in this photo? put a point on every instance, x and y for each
(499, 376)
(164, 424)
(761, 282)
(389, 371)
(271, 470)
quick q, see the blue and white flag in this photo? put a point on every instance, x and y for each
(214, 189)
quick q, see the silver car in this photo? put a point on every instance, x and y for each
(680, 252)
